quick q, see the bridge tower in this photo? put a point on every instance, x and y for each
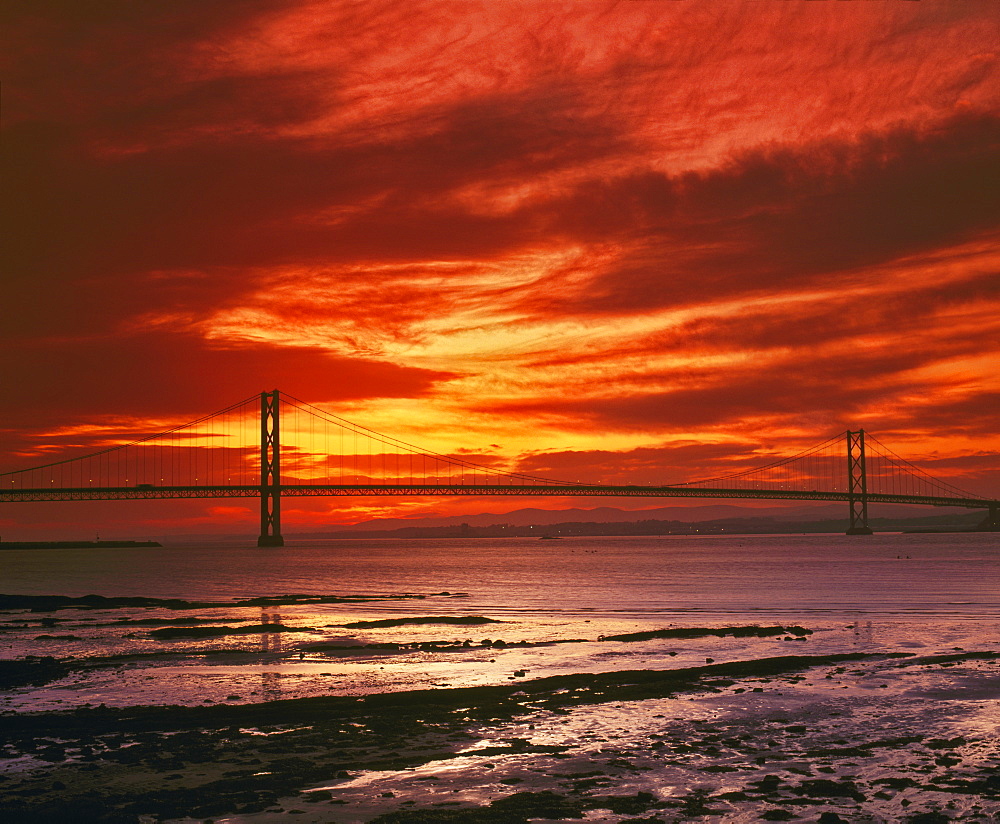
(857, 483)
(270, 471)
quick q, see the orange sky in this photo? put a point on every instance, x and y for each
(604, 238)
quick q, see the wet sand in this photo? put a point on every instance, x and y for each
(854, 737)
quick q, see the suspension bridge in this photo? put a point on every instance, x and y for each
(273, 446)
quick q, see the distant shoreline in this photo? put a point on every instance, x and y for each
(638, 529)
(76, 544)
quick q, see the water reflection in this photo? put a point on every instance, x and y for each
(864, 633)
(270, 641)
(270, 686)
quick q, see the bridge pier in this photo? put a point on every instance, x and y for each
(991, 523)
(857, 484)
(270, 471)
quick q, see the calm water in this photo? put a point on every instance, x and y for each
(915, 593)
(957, 574)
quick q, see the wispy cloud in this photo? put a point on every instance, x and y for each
(609, 227)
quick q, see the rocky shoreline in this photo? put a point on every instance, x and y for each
(35, 670)
(792, 738)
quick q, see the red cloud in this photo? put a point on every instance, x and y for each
(189, 178)
(163, 376)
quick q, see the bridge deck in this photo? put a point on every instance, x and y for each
(484, 490)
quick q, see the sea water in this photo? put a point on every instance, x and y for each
(892, 592)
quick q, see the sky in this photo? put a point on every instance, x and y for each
(645, 240)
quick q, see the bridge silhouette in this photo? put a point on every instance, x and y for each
(239, 452)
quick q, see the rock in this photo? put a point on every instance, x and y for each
(52, 753)
(31, 671)
(945, 743)
(827, 788)
(628, 804)
(545, 804)
(767, 784)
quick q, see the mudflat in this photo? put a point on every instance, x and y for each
(849, 737)
(810, 679)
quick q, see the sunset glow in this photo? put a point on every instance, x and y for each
(609, 242)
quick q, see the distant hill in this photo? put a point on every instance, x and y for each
(659, 521)
(605, 514)
(601, 520)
